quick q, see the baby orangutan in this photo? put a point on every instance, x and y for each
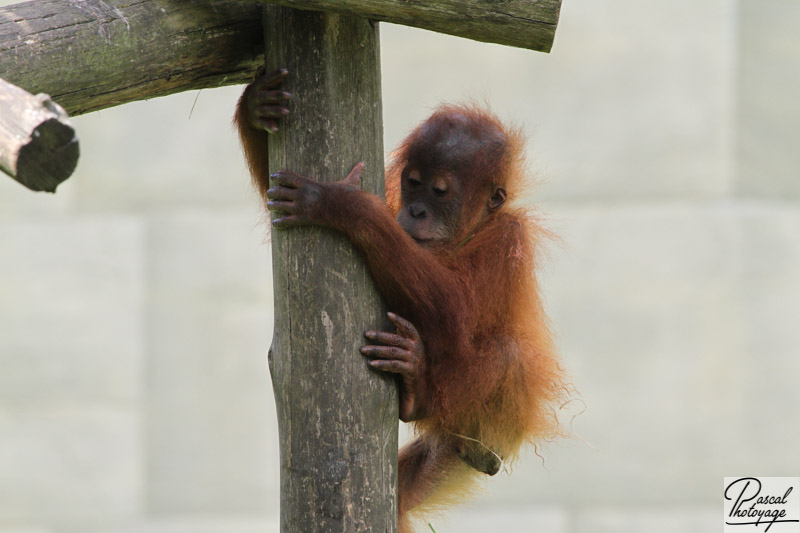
(454, 260)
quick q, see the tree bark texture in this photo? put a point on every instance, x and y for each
(337, 417)
(93, 54)
(38, 146)
(522, 23)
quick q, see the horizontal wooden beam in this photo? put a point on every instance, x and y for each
(94, 54)
(38, 146)
(521, 23)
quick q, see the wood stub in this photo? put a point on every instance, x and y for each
(38, 146)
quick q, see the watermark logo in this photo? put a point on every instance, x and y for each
(761, 504)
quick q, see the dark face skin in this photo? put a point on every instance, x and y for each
(431, 205)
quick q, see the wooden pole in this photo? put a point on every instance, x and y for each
(522, 23)
(90, 55)
(337, 418)
(38, 146)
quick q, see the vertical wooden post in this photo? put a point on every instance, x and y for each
(337, 418)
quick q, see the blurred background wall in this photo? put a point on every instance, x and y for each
(135, 304)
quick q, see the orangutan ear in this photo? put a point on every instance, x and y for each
(498, 199)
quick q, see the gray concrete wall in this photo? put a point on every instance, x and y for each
(135, 304)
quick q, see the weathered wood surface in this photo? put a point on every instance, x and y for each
(522, 23)
(38, 146)
(337, 418)
(93, 54)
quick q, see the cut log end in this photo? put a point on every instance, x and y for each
(49, 158)
(38, 146)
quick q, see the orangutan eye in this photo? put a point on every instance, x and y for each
(414, 179)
